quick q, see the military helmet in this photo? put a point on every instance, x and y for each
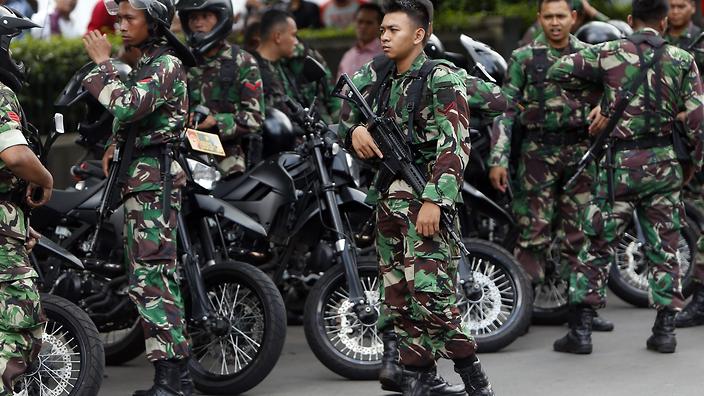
(12, 23)
(489, 63)
(277, 134)
(598, 32)
(624, 27)
(160, 13)
(201, 43)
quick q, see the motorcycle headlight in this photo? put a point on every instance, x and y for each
(204, 175)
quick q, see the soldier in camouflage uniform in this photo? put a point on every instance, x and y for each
(21, 316)
(682, 32)
(555, 138)
(585, 13)
(417, 263)
(647, 174)
(235, 101)
(151, 111)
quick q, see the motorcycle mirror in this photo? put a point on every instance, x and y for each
(59, 123)
(313, 71)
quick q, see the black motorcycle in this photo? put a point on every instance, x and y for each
(235, 314)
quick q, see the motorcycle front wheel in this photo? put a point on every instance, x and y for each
(71, 361)
(236, 360)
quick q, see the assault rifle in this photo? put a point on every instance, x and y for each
(398, 161)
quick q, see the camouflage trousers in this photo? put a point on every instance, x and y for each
(22, 319)
(694, 194)
(150, 245)
(543, 209)
(417, 288)
(653, 190)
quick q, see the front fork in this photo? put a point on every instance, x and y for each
(361, 305)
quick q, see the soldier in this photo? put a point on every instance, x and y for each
(555, 138)
(585, 13)
(151, 111)
(226, 83)
(416, 261)
(22, 318)
(684, 34)
(645, 170)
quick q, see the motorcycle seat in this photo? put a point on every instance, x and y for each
(64, 201)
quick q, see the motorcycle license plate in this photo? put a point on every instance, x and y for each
(205, 142)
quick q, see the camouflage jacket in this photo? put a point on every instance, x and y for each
(615, 64)
(278, 84)
(485, 99)
(685, 40)
(561, 112)
(12, 220)
(154, 99)
(441, 133)
(239, 111)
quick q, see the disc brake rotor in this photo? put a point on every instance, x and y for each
(630, 261)
(343, 326)
(480, 312)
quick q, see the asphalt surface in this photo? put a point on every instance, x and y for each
(619, 366)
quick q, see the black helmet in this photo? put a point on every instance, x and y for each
(597, 32)
(160, 13)
(277, 133)
(434, 48)
(624, 27)
(201, 43)
(12, 23)
(489, 63)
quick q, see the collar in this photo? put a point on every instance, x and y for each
(415, 66)
(542, 41)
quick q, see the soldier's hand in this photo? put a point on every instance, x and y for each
(364, 145)
(597, 122)
(97, 46)
(498, 176)
(107, 157)
(32, 239)
(207, 123)
(36, 195)
(428, 222)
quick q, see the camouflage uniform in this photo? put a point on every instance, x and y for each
(694, 191)
(485, 98)
(418, 273)
(647, 180)
(21, 318)
(554, 142)
(239, 111)
(155, 98)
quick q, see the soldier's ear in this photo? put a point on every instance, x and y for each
(629, 19)
(419, 36)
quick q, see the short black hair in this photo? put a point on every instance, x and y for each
(650, 11)
(570, 3)
(420, 12)
(373, 8)
(271, 20)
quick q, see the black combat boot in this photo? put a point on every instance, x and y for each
(167, 382)
(601, 324)
(579, 339)
(187, 387)
(391, 374)
(663, 338)
(693, 313)
(428, 382)
(476, 382)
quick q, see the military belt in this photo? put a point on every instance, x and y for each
(565, 138)
(642, 143)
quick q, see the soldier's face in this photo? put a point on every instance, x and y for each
(202, 21)
(400, 35)
(133, 25)
(286, 38)
(556, 18)
(681, 13)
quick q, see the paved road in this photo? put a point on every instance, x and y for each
(619, 366)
